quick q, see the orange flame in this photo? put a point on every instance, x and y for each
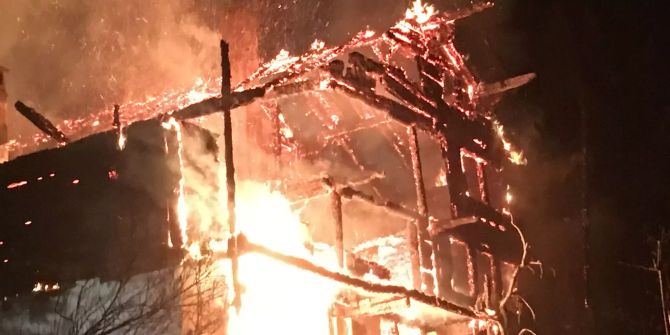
(517, 157)
(420, 12)
(292, 301)
(182, 208)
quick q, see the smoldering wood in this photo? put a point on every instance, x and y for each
(41, 122)
(116, 122)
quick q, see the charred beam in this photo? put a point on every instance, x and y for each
(247, 246)
(504, 85)
(336, 210)
(216, 104)
(392, 207)
(116, 122)
(396, 110)
(41, 122)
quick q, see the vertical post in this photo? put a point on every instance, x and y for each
(336, 210)
(423, 236)
(230, 167)
(336, 201)
(413, 241)
(276, 137)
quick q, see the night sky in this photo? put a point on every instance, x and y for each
(606, 61)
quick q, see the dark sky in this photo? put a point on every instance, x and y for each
(607, 60)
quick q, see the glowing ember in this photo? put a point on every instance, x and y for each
(39, 287)
(132, 111)
(17, 184)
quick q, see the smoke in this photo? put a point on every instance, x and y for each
(70, 58)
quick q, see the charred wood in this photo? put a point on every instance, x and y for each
(396, 110)
(41, 122)
(230, 166)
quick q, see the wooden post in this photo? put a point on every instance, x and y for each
(336, 203)
(230, 167)
(424, 240)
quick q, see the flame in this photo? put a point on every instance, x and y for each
(122, 139)
(182, 208)
(133, 111)
(420, 12)
(517, 157)
(282, 61)
(39, 287)
(317, 45)
(292, 301)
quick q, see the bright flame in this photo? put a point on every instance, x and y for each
(39, 287)
(198, 93)
(517, 157)
(282, 61)
(420, 12)
(122, 139)
(182, 208)
(317, 45)
(278, 298)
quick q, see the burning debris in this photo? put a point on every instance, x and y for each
(392, 253)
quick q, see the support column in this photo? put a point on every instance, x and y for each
(425, 245)
(230, 169)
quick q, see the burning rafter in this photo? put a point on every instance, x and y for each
(41, 122)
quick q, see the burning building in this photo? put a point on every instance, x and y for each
(359, 191)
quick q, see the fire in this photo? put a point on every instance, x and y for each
(122, 140)
(182, 208)
(39, 287)
(278, 298)
(420, 12)
(517, 157)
